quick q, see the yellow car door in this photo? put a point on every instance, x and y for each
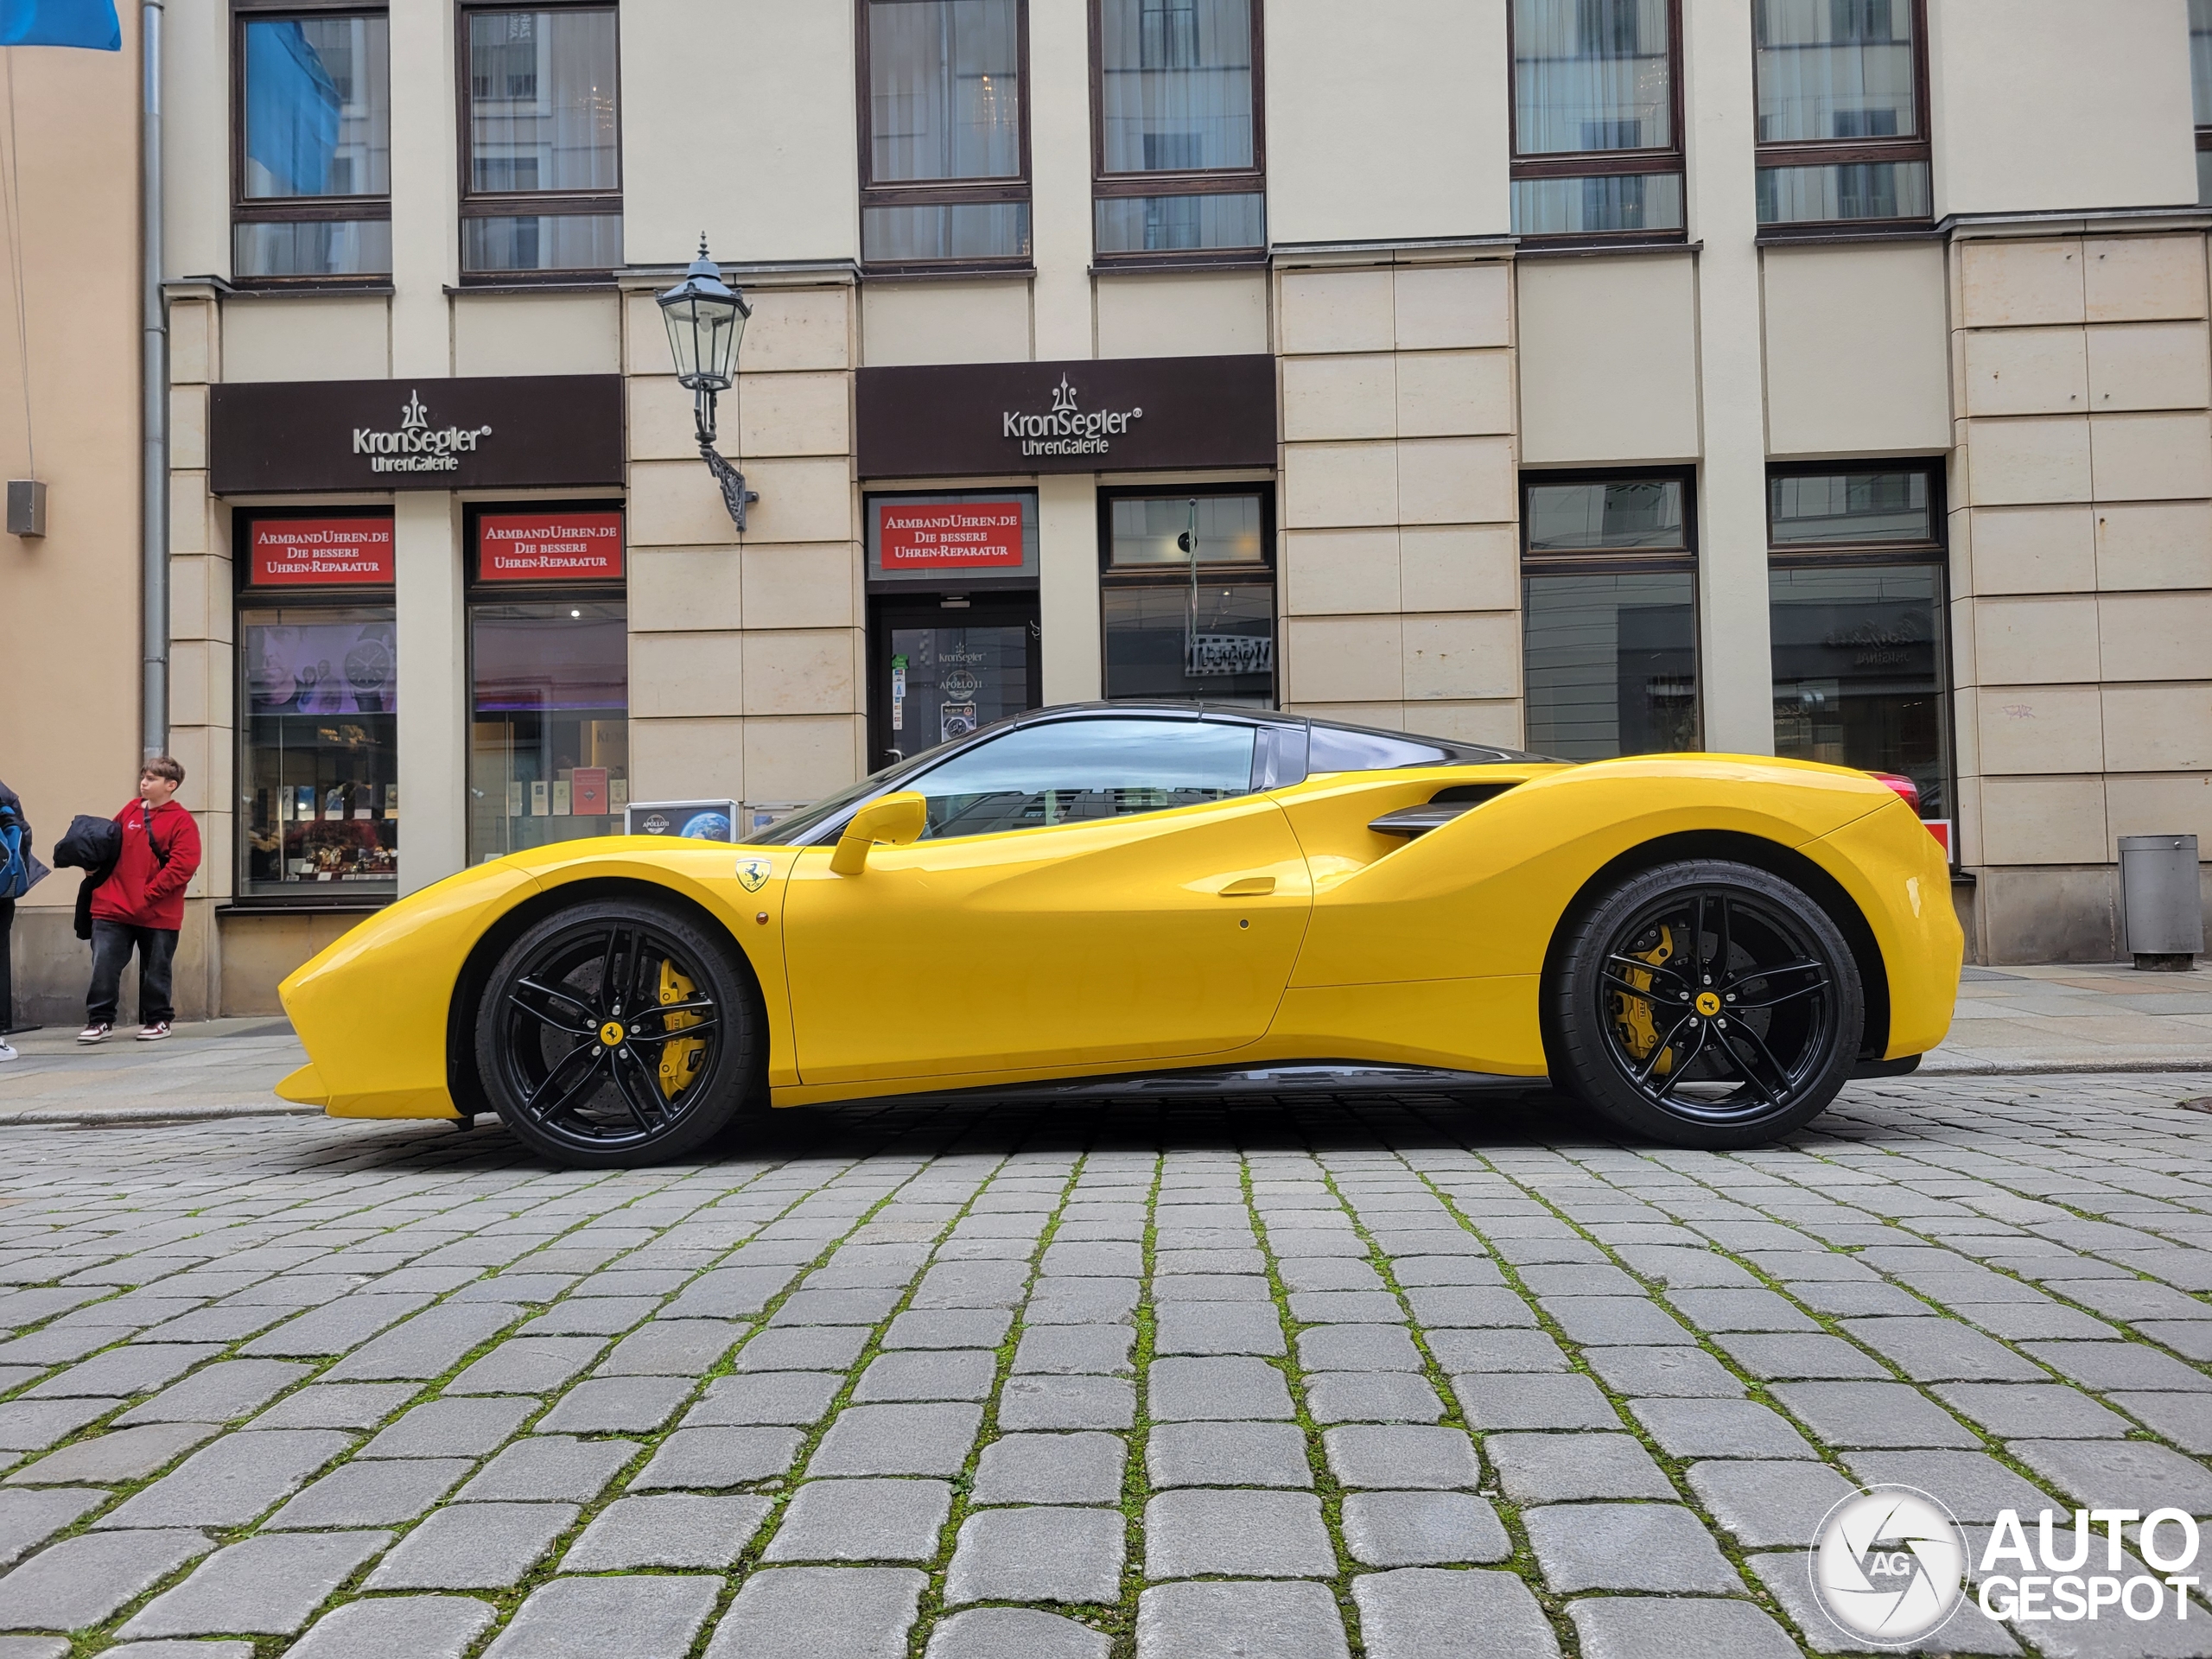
(1095, 893)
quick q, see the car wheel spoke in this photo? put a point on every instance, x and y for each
(582, 1027)
(1616, 962)
(1723, 943)
(1745, 1070)
(651, 1115)
(1767, 1057)
(1683, 1067)
(1659, 1051)
(1776, 1000)
(1697, 938)
(564, 1098)
(1755, 975)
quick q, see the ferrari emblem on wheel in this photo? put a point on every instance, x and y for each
(1704, 949)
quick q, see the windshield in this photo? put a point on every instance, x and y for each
(791, 829)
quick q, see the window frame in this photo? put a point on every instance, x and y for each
(1230, 573)
(1191, 182)
(297, 210)
(1611, 561)
(1852, 152)
(937, 193)
(2204, 131)
(1935, 553)
(502, 204)
(1601, 163)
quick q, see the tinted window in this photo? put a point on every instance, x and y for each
(1081, 769)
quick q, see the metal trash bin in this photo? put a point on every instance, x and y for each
(2161, 901)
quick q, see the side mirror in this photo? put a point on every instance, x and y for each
(894, 820)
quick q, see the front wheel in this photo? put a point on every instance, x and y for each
(1707, 1004)
(616, 1033)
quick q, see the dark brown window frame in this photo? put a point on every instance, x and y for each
(294, 210)
(1603, 164)
(1611, 561)
(1934, 550)
(506, 204)
(1852, 152)
(937, 193)
(1198, 181)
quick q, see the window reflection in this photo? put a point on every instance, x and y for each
(1078, 770)
(1611, 663)
(1858, 672)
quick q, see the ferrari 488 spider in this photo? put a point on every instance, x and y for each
(1701, 947)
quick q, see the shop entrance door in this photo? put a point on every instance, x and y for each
(938, 672)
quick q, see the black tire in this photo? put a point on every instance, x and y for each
(617, 1033)
(1750, 1041)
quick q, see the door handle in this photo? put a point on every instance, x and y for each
(1249, 886)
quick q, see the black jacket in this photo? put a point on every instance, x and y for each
(92, 845)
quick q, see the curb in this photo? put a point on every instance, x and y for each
(33, 1118)
(2146, 1066)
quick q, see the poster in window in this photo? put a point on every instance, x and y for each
(321, 668)
(949, 535)
(549, 546)
(320, 553)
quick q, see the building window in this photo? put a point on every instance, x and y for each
(944, 137)
(1188, 594)
(1842, 112)
(1597, 119)
(1856, 580)
(1609, 614)
(319, 711)
(549, 669)
(541, 178)
(312, 179)
(2200, 84)
(1177, 166)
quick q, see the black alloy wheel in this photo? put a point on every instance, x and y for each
(617, 1033)
(1707, 1004)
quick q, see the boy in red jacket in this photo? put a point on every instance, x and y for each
(141, 904)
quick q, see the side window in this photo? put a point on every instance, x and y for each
(1083, 769)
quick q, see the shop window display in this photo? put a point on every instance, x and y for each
(319, 771)
(1189, 597)
(550, 756)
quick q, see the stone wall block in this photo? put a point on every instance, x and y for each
(1352, 310)
(2156, 635)
(1444, 308)
(2029, 461)
(1463, 657)
(194, 355)
(1343, 659)
(794, 328)
(2154, 545)
(2027, 729)
(2177, 803)
(1340, 572)
(809, 671)
(789, 415)
(2044, 821)
(1500, 722)
(2006, 283)
(661, 426)
(2143, 278)
(1353, 396)
(1332, 484)
(190, 511)
(2151, 457)
(1449, 394)
(687, 674)
(2148, 366)
(679, 589)
(2026, 371)
(1460, 567)
(1456, 481)
(187, 428)
(2033, 550)
(2036, 641)
(686, 759)
(802, 759)
(810, 585)
(2158, 729)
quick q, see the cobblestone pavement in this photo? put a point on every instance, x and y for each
(1279, 1380)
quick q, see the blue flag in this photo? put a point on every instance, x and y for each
(61, 22)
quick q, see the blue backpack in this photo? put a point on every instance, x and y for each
(20, 870)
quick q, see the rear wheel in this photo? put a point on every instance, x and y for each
(1707, 1004)
(617, 1033)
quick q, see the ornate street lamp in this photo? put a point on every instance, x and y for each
(706, 319)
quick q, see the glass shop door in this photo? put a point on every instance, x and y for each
(938, 671)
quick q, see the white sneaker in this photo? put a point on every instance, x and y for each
(7, 1051)
(96, 1033)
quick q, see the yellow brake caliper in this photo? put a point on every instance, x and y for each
(679, 1059)
(1632, 1014)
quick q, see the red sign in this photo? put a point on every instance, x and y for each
(947, 535)
(1940, 828)
(549, 546)
(589, 796)
(317, 552)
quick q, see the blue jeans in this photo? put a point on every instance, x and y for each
(112, 943)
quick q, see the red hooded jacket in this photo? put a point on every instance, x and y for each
(144, 891)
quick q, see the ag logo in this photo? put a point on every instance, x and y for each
(753, 874)
(1888, 1565)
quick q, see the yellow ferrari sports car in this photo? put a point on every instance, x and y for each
(1702, 947)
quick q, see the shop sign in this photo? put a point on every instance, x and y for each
(949, 535)
(555, 546)
(509, 432)
(320, 552)
(1089, 416)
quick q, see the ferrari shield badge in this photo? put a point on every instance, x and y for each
(753, 874)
